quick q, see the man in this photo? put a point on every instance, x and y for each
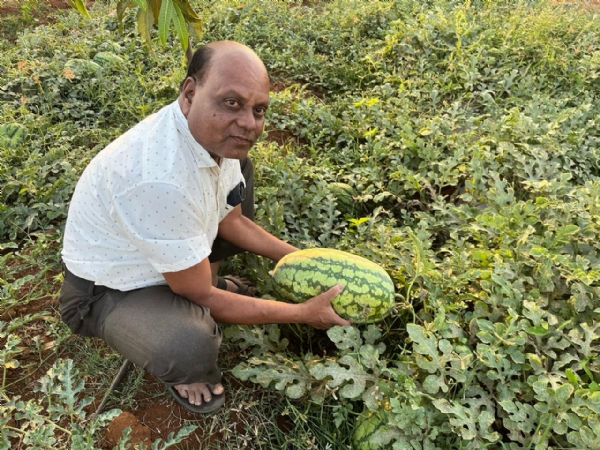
(143, 220)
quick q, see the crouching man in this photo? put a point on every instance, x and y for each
(155, 212)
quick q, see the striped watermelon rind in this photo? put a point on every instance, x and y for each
(12, 134)
(108, 59)
(366, 425)
(344, 193)
(83, 66)
(368, 293)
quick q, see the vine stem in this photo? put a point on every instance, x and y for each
(18, 430)
(64, 430)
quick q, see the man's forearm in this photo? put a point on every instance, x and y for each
(245, 234)
(227, 307)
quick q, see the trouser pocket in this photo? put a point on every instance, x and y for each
(75, 304)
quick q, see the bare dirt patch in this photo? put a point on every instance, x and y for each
(19, 15)
(139, 432)
(38, 11)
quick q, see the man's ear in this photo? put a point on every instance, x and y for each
(186, 95)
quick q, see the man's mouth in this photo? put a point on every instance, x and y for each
(242, 140)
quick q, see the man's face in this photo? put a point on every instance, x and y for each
(226, 113)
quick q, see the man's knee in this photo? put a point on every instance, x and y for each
(172, 338)
(188, 356)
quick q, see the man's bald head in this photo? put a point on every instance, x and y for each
(206, 56)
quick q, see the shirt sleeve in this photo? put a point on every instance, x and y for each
(165, 224)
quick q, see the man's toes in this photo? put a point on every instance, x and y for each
(182, 391)
(206, 393)
(196, 398)
(217, 389)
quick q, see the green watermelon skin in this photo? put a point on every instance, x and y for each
(12, 134)
(344, 193)
(108, 59)
(366, 425)
(368, 293)
(83, 66)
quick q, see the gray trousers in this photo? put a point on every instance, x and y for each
(174, 339)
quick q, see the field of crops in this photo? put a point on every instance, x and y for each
(466, 136)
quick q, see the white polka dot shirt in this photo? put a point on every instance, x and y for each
(149, 203)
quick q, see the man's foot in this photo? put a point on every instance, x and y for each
(198, 393)
(238, 285)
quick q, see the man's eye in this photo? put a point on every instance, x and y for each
(260, 111)
(231, 102)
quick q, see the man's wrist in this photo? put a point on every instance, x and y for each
(304, 313)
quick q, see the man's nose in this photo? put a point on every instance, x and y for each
(246, 119)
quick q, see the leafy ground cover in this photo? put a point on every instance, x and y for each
(467, 133)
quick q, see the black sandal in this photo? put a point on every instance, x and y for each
(242, 288)
(205, 408)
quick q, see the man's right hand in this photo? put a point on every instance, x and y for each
(320, 313)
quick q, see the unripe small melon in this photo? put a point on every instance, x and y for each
(366, 425)
(12, 134)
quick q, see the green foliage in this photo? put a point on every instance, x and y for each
(64, 101)
(473, 151)
(43, 418)
(465, 134)
(165, 14)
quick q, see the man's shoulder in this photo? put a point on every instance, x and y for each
(150, 150)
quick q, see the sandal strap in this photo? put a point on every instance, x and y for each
(221, 283)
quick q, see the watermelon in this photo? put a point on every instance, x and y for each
(344, 194)
(108, 59)
(110, 46)
(366, 425)
(12, 134)
(82, 66)
(368, 294)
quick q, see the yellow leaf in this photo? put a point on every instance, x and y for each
(155, 7)
(197, 29)
(145, 20)
(12, 364)
(187, 11)
(80, 5)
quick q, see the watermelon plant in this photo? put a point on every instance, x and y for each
(467, 132)
(367, 426)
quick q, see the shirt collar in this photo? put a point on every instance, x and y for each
(200, 154)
